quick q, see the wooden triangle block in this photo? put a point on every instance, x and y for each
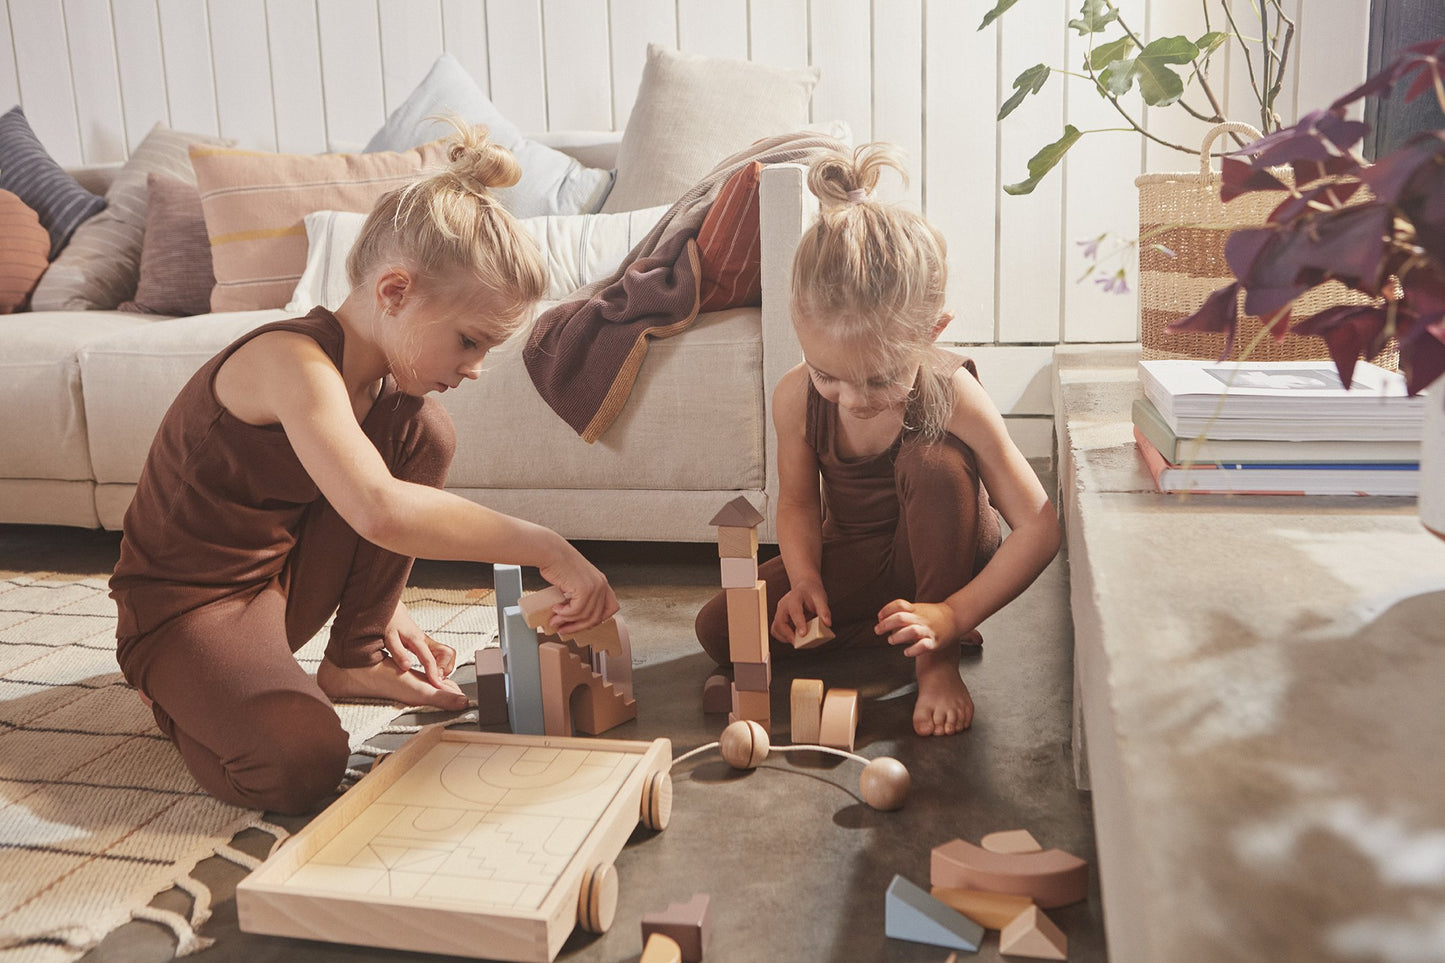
(738, 513)
(992, 911)
(911, 914)
(1033, 935)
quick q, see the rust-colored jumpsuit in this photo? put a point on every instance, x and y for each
(911, 522)
(231, 560)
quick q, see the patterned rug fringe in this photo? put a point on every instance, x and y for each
(188, 941)
(280, 832)
(200, 895)
(245, 860)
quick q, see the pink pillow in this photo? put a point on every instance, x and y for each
(175, 257)
(254, 203)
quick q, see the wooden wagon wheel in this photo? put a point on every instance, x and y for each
(657, 801)
(597, 901)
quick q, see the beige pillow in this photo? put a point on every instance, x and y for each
(691, 112)
(98, 269)
(255, 204)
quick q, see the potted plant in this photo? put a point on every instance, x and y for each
(1378, 229)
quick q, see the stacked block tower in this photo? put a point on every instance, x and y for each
(747, 603)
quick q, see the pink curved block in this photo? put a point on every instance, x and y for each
(1050, 877)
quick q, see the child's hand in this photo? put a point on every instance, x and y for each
(589, 598)
(800, 604)
(411, 647)
(929, 626)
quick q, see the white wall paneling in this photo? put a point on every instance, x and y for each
(300, 100)
(245, 102)
(309, 75)
(579, 75)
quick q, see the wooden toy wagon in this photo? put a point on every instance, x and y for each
(469, 844)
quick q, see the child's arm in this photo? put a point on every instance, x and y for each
(1032, 542)
(286, 378)
(800, 511)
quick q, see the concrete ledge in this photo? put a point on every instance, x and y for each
(1260, 682)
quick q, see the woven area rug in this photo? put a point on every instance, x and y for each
(97, 813)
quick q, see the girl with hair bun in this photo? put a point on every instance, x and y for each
(300, 472)
(891, 457)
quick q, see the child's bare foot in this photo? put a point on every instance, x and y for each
(944, 706)
(387, 680)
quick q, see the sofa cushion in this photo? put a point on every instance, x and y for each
(694, 421)
(132, 376)
(43, 433)
(578, 249)
(175, 265)
(552, 182)
(28, 170)
(692, 112)
(99, 267)
(24, 252)
(255, 201)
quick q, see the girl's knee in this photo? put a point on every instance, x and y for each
(297, 758)
(712, 629)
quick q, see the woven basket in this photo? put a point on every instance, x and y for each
(1183, 213)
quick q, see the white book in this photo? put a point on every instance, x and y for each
(1282, 400)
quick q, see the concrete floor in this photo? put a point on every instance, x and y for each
(795, 863)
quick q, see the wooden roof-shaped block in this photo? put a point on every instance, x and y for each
(738, 513)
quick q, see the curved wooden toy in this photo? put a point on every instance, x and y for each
(1050, 878)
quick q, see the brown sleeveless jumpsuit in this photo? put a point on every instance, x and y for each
(912, 522)
(231, 560)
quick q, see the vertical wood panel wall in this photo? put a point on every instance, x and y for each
(311, 75)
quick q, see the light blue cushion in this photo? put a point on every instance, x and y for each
(552, 182)
(29, 172)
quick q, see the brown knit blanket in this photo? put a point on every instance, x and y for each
(584, 355)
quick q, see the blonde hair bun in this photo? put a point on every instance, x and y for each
(477, 162)
(835, 179)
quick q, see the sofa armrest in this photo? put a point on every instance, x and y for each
(785, 206)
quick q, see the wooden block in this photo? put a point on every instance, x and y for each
(1034, 935)
(661, 949)
(1050, 878)
(767, 724)
(911, 914)
(1011, 841)
(838, 724)
(815, 634)
(737, 542)
(738, 513)
(524, 674)
(717, 693)
(537, 606)
(807, 711)
(748, 623)
(992, 911)
(687, 924)
(603, 637)
(739, 572)
(616, 667)
(753, 676)
(491, 688)
(750, 704)
(507, 584)
(599, 707)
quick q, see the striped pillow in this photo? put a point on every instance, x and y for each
(730, 247)
(99, 267)
(24, 246)
(255, 203)
(28, 171)
(175, 265)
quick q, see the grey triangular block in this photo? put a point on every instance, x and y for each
(912, 914)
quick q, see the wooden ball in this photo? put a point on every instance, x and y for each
(744, 744)
(884, 783)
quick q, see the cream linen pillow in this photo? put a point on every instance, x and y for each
(254, 204)
(100, 266)
(691, 112)
(578, 249)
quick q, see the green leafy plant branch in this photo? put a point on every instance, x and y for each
(1114, 67)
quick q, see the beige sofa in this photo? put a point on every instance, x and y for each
(83, 393)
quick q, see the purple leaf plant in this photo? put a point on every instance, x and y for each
(1388, 244)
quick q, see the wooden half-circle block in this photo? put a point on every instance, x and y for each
(1011, 841)
(657, 801)
(597, 902)
(717, 693)
(838, 726)
(1033, 935)
(1050, 878)
(661, 949)
(992, 911)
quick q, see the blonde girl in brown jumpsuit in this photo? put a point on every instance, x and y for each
(299, 473)
(889, 455)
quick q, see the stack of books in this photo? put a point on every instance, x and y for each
(1278, 427)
